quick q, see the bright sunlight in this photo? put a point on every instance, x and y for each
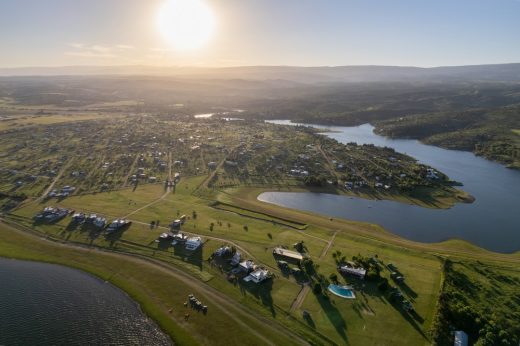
(186, 24)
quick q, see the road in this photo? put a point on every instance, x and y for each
(130, 170)
(58, 176)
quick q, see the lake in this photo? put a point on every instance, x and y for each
(47, 304)
(492, 221)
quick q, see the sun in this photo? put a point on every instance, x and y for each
(186, 24)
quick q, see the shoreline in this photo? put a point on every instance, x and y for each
(453, 238)
(94, 276)
(178, 332)
(378, 132)
(247, 198)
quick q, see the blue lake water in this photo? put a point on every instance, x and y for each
(492, 221)
(47, 304)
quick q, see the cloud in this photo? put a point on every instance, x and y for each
(97, 50)
(124, 46)
(162, 50)
(89, 54)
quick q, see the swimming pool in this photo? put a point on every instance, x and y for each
(342, 291)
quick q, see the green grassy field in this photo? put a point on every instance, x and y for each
(156, 289)
(333, 320)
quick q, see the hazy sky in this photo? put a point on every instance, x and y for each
(264, 32)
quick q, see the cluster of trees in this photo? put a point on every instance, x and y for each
(315, 180)
(490, 316)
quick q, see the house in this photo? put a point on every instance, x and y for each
(193, 243)
(99, 222)
(176, 224)
(461, 338)
(51, 214)
(348, 269)
(432, 174)
(78, 217)
(91, 218)
(247, 266)
(212, 165)
(68, 189)
(117, 225)
(179, 239)
(257, 276)
(235, 260)
(222, 251)
(165, 236)
(293, 255)
(152, 179)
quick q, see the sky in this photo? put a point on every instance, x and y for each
(264, 32)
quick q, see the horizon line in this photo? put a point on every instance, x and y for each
(241, 66)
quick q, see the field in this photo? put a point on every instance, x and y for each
(332, 319)
(125, 168)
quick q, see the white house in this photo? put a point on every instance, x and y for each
(359, 272)
(257, 276)
(193, 243)
(247, 266)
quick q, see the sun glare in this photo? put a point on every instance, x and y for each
(186, 24)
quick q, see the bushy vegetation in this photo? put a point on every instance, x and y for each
(481, 300)
(486, 132)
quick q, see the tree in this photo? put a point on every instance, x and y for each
(308, 264)
(383, 285)
(372, 274)
(334, 278)
(317, 288)
(194, 215)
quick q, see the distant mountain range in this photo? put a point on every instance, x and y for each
(337, 74)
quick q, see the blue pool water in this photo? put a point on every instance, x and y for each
(342, 291)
